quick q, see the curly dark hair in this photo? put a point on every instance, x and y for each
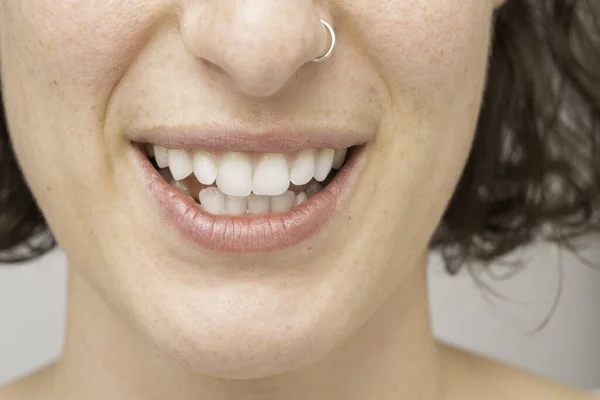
(534, 168)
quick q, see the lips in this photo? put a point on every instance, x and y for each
(247, 233)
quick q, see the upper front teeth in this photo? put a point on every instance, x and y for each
(303, 167)
(234, 175)
(240, 174)
(205, 168)
(271, 175)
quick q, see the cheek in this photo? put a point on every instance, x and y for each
(81, 45)
(426, 48)
(433, 56)
(60, 62)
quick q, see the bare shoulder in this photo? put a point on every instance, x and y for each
(12, 391)
(470, 376)
(32, 387)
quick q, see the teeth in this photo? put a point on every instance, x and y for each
(259, 204)
(215, 202)
(235, 205)
(161, 156)
(303, 167)
(271, 176)
(240, 188)
(181, 187)
(180, 164)
(339, 158)
(212, 200)
(205, 167)
(313, 188)
(234, 176)
(301, 198)
(323, 163)
(283, 203)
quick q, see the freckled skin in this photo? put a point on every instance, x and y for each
(78, 74)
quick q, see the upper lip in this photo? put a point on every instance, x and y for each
(244, 140)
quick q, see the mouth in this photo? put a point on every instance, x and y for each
(247, 202)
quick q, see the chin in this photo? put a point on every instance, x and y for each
(237, 330)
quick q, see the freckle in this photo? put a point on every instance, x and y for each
(349, 217)
(48, 188)
(93, 107)
(309, 248)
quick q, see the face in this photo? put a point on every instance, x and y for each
(233, 283)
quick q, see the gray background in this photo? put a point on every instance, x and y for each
(32, 312)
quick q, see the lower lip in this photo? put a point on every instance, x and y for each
(248, 233)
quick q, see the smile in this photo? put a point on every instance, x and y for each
(247, 202)
(236, 183)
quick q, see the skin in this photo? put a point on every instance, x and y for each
(344, 315)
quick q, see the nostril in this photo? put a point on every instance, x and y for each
(211, 66)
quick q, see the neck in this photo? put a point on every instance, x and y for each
(392, 356)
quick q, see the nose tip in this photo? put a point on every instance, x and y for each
(260, 45)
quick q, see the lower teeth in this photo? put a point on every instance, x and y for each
(213, 201)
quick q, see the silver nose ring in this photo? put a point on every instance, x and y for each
(332, 43)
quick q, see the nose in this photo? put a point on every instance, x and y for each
(259, 44)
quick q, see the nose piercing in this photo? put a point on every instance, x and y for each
(331, 46)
